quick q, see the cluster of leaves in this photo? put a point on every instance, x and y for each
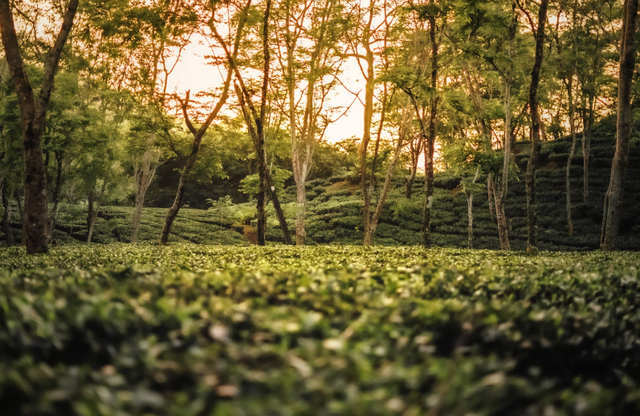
(196, 330)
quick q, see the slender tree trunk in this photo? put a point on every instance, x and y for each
(572, 122)
(530, 176)
(501, 219)
(198, 135)
(586, 149)
(172, 212)
(431, 140)
(490, 196)
(408, 183)
(90, 216)
(143, 177)
(614, 195)
(366, 137)
(373, 224)
(6, 217)
(470, 211)
(23, 237)
(500, 197)
(301, 200)
(94, 208)
(55, 194)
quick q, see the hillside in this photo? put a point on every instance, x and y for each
(334, 210)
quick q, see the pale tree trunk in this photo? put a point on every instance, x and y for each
(530, 176)
(470, 212)
(33, 118)
(614, 195)
(415, 151)
(23, 238)
(94, 209)
(301, 201)
(143, 175)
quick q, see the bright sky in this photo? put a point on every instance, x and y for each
(192, 73)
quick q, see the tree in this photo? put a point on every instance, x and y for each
(33, 117)
(530, 176)
(615, 192)
(255, 119)
(198, 134)
(309, 32)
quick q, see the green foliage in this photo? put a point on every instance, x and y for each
(190, 330)
(251, 184)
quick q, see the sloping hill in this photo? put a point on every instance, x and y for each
(335, 208)
(334, 211)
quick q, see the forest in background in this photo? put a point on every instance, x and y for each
(474, 80)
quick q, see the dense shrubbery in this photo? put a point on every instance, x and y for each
(194, 330)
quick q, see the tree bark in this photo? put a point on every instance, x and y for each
(6, 216)
(366, 138)
(572, 122)
(143, 176)
(470, 212)
(614, 195)
(491, 197)
(429, 148)
(93, 209)
(198, 135)
(530, 176)
(33, 118)
(586, 148)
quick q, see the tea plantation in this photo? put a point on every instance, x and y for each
(189, 329)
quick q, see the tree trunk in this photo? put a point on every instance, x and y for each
(198, 135)
(373, 224)
(501, 219)
(572, 122)
(33, 118)
(586, 149)
(429, 148)
(55, 195)
(470, 212)
(172, 213)
(614, 195)
(530, 176)
(143, 176)
(286, 234)
(6, 217)
(408, 184)
(500, 197)
(490, 196)
(23, 237)
(94, 208)
(301, 200)
(366, 137)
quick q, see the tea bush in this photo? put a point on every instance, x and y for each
(190, 329)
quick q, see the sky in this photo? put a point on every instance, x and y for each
(192, 73)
